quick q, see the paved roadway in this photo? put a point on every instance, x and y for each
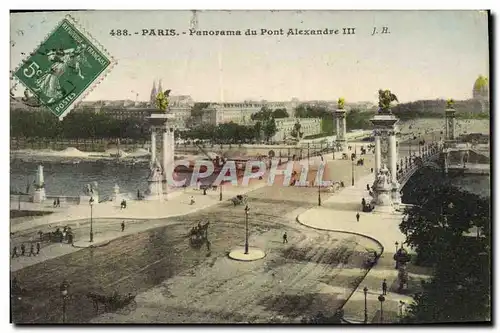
(138, 262)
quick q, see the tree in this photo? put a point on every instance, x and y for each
(355, 119)
(264, 114)
(296, 133)
(257, 128)
(436, 228)
(270, 128)
(460, 288)
(197, 109)
(441, 215)
(280, 113)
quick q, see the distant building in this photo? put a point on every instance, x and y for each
(480, 90)
(239, 113)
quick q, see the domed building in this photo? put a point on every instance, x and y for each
(480, 90)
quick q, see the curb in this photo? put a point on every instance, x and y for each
(141, 219)
(342, 231)
(367, 272)
(103, 243)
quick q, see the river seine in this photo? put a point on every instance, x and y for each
(70, 179)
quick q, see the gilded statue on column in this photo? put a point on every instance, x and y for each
(449, 103)
(162, 100)
(385, 98)
(340, 103)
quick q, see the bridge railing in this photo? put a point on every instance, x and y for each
(416, 161)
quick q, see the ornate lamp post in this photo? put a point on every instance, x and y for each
(319, 185)
(365, 291)
(352, 171)
(91, 204)
(247, 210)
(402, 258)
(220, 193)
(64, 295)
(381, 299)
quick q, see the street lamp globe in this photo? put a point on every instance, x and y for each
(381, 298)
(365, 290)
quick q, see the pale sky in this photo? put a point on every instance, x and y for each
(427, 55)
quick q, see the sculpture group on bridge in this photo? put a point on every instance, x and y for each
(385, 98)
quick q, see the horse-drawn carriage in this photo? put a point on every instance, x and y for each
(198, 234)
(240, 200)
(113, 303)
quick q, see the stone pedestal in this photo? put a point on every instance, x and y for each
(450, 124)
(395, 194)
(39, 195)
(386, 186)
(155, 188)
(340, 126)
(382, 191)
(117, 197)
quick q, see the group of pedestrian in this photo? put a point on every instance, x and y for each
(57, 203)
(23, 250)
(402, 304)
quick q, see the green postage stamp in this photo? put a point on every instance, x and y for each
(64, 68)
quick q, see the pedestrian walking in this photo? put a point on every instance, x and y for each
(23, 249)
(285, 238)
(14, 252)
(32, 250)
(123, 226)
(371, 169)
(368, 187)
(192, 200)
(402, 308)
(384, 287)
(58, 202)
(357, 217)
(37, 248)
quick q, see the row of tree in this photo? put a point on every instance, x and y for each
(355, 118)
(437, 227)
(435, 109)
(231, 132)
(265, 114)
(84, 124)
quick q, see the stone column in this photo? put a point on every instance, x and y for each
(153, 146)
(393, 157)
(450, 124)
(172, 148)
(165, 157)
(377, 153)
(39, 195)
(395, 193)
(340, 125)
(385, 186)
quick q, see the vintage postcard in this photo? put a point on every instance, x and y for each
(277, 167)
